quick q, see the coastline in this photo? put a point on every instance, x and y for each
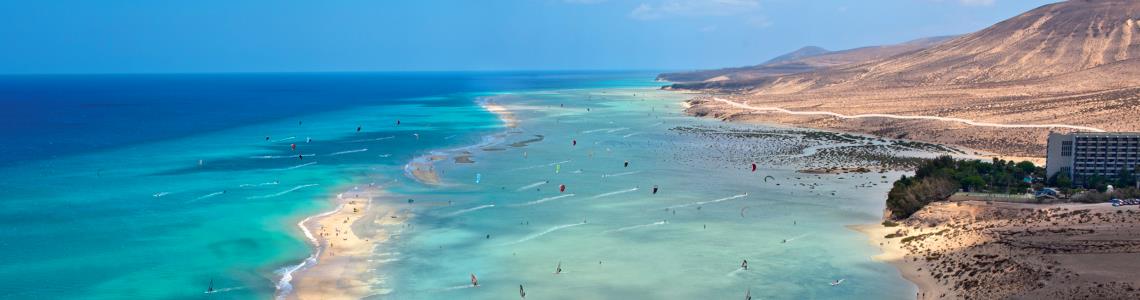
(892, 253)
(992, 250)
(344, 238)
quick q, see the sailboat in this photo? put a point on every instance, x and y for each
(558, 270)
(210, 289)
(748, 295)
(522, 293)
(744, 265)
(474, 281)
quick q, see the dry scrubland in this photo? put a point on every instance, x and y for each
(978, 250)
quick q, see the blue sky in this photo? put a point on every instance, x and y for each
(113, 36)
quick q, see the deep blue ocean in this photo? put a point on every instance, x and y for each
(156, 186)
(151, 186)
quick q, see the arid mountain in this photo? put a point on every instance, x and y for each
(1072, 63)
(805, 59)
(800, 53)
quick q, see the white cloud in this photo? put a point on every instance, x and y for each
(670, 8)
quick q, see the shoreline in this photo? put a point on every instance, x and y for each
(894, 255)
(343, 240)
(991, 250)
(422, 168)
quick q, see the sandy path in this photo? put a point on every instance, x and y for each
(901, 117)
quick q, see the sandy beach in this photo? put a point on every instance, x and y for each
(346, 241)
(979, 250)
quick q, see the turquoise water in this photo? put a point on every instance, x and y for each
(130, 212)
(104, 195)
(612, 236)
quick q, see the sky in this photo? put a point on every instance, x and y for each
(158, 36)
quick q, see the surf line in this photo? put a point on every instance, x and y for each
(710, 201)
(284, 285)
(634, 227)
(277, 194)
(463, 211)
(545, 200)
(902, 117)
(545, 232)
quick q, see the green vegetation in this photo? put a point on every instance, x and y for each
(937, 179)
(889, 223)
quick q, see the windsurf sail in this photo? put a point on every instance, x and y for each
(474, 281)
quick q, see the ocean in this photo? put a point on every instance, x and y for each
(154, 186)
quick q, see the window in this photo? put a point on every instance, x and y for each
(1067, 148)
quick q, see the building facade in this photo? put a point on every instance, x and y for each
(1082, 155)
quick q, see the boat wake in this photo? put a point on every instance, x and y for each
(463, 211)
(281, 156)
(631, 134)
(545, 200)
(458, 287)
(372, 140)
(531, 186)
(210, 195)
(797, 237)
(620, 174)
(277, 194)
(540, 166)
(658, 223)
(297, 166)
(707, 202)
(545, 232)
(599, 130)
(284, 139)
(259, 184)
(225, 290)
(613, 193)
(348, 151)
